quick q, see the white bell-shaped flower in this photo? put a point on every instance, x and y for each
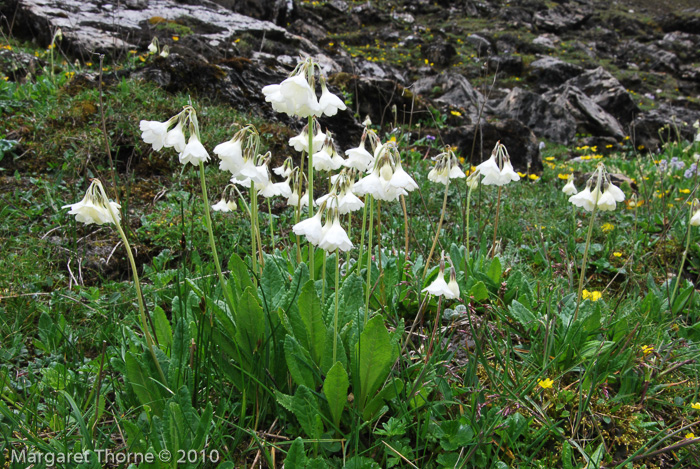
(93, 207)
(616, 192)
(329, 104)
(695, 219)
(569, 188)
(401, 179)
(194, 152)
(224, 206)
(439, 287)
(231, 155)
(452, 284)
(175, 138)
(440, 175)
(359, 158)
(154, 132)
(299, 96)
(311, 228)
(335, 238)
(606, 202)
(349, 202)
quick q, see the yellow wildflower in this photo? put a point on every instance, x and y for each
(647, 349)
(689, 436)
(563, 176)
(617, 254)
(545, 383)
(456, 113)
(550, 158)
(695, 405)
(684, 191)
(591, 295)
(534, 177)
(607, 227)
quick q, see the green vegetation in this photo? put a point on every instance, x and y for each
(515, 377)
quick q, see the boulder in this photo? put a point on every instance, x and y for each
(685, 46)
(646, 127)
(648, 57)
(521, 142)
(453, 90)
(547, 120)
(92, 26)
(589, 116)
(16, 65)
(561, 18)
(607, 92)
(482, 45)
(550, 71)
(506, 65)
(439, 53)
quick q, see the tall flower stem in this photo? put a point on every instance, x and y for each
(347, 254)
(253, 236)
(437, 231)
(362, 235)
(405, 228)
(311, 184)
(272, 226)
(323, 279)
(212, 244)
(680, 269)
(585, 260)
(435, 328)
(139, 296)
(466, 238)
(369, 257)
(495, 225)
(379, 250)
(335, 314)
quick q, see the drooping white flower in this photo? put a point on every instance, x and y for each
(194, 152)
(329, 104)
(473, 179)
(695, 219)
(402, 180)
(311, 228)
(584, 199)
(569, 188)
(323, 160)
(606, 201)
(175, 138)
(300, 98)
(349, 202)
(359, 158)
(498, 170)
(616, 192)
(439, 175)
(154, 132)
(452, 284)
(153, 46)
(335, 238)
(93, 208)
(224, 206)
(284, 171)
(439, 287)
(231, 155)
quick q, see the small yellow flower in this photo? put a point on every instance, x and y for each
(545, 383)
(461, 160)
(684, 191)
(695, 405)
(647, 349)
(550, 158)
(522, 175)
(627, 137)
(563, 176)
(689, 436)
(640, 147)
(591, 295)
(607, 227)
(456, 113)
(617, 254)
(176, 38)
(534, 177)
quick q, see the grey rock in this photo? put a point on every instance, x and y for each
(89, 26)
(685, 46)
(521, 142)
(648, 57)
(561, 18)
(590, 117)
(440, 54)
(16, 65)
(506, 64)
(453, 90)
(607, 92)
(646, 127)
(547, 120)
(550, 71)
(482, 45)
(547, 40)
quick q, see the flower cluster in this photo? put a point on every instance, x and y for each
(448, 290)
(446, 168)
(329, 236)
(95, 207)
(599, 193)
(498, 170)
(160, 135)
(296, 95)
(388, 180)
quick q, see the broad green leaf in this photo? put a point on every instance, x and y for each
(335, 388)
(273, 284)
(388, 392)
(305, 408)
(353, 299)
(523, 315)
(144, 387)
(312, 318)
(479, 292)
(456, 434)
(163, 331)
(296, 458)
(299, 363)
(681, 299)
(240, 274)
(250, 322)
(495, 270)
(373, 359)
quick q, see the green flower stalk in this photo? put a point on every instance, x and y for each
(693, 220)
(604, 196)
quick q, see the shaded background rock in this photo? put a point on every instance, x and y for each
(521, 142)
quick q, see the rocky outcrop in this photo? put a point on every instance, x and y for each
(607, 92)
(547, 120)
(561, 18)
(550, 71)
(453, 90)
(590, 117)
